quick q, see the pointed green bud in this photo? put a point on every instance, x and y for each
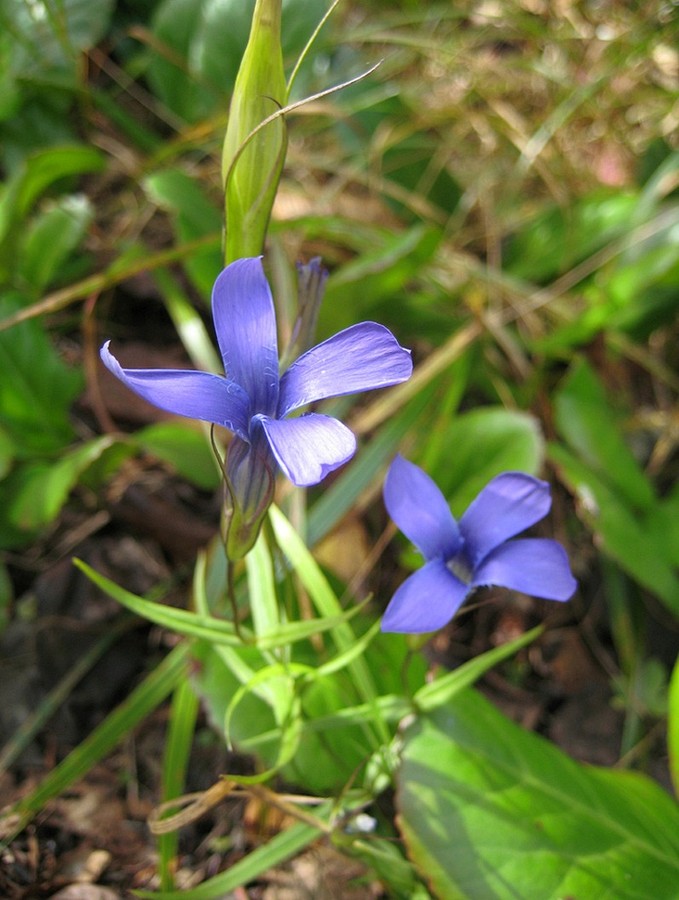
(251, 173)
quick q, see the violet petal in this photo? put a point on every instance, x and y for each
(307, 448)
(426, 601)
(245, 322)
(197, 395)
(420, 510)
(535, 566)
(360, 358)
(509, 504)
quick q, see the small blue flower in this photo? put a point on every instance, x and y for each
(254, 403)
(474, 552)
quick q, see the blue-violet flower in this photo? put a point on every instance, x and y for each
(474, 552)
(254, 403)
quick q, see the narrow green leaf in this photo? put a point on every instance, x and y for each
(209, 628)
(183, 715)
(325, 602)
(26, 732)
(585, 418)
(262, 589)
(277, 850)
(440, 691)
(620, 528)
(145, 698)
(390, 707)
(180, 620)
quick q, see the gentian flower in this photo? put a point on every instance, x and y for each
(254, 403)
(474, 552)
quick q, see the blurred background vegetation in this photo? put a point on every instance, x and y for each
(503, 193)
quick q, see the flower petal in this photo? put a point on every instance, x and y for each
(426, 601)
(418, 507)
(536, 566)
(510, 503)
(197, 395)
(245, 323)
(361, 358)
(309, 447)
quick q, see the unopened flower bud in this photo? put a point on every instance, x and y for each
(251, 169)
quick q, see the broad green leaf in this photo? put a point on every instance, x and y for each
(480, 444)
(10, 93)
(624, 532)
(49, 38)
(194, 216)
(41, 121)
(32, 496)
(391, 707)
(185, 448)
(488, 810)
(51, 238)
(324, 600)
(38, 172)
(279, 683)
(338, 733)
(177, 28)
(207, 40)
(36, 387)
(183, 196)
(585, 419)
(218, 676)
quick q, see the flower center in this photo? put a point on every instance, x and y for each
(460, 567)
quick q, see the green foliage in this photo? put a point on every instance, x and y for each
(558, 239)
(617, 498)
(184, 448)
(489, 810)
(40, 69)
(486, 442)
(194, 216)
(199, 47)
(35, 400)
(502, 193)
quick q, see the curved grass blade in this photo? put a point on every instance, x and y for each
(145, 698)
